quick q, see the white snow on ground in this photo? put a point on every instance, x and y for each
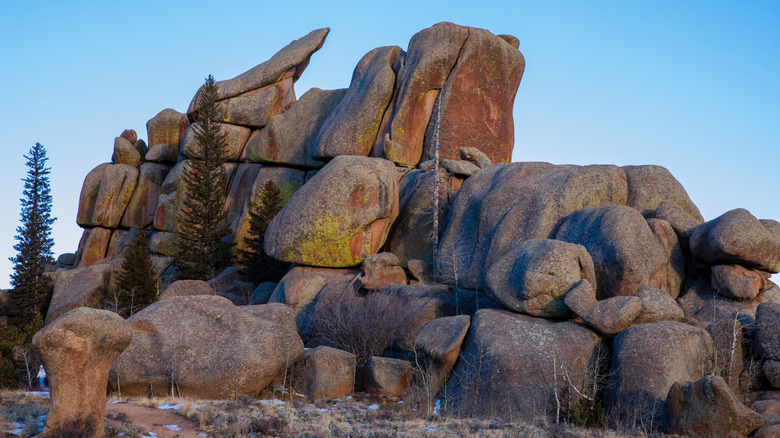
(169, 406)
(272, 402)
(18, 431)
(373, 407)
(44, 394)
(172, 427)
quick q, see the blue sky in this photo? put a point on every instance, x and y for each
(687, 85)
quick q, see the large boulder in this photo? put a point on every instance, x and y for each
(675, 270)
(125, 153)
(767, 334)
(143, 204)
(79, 287)
(294, 55)
(649, 186)
(381, 270)
(186, 288)
(626, 253)
(647, 359)
(475, 105)
(106, 191)
(77, 351)
(203, 347)
(289, 138)
(737, 237)
(255, 108)
(236, 138)
(738, 282)
(339, 217)
(536, 274)
(352, 127)
(512, 363)
(166, 128)
(708, 408)
(387, 376)
(657, 306)
(93, 246)
(431, 56)
(324, 372)
(437, 347)
(608, 316)
(508, 203)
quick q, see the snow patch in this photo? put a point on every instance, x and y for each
(169, 406)
(373, 407)
(172, 427)
(272, 402)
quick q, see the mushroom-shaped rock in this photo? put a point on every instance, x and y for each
(77, 351)
(509, 364)
(608, 316)
(508, 203)
(206, 347)
(381, 270)
(325, 372)
(536, 274)
(626, 253)
(707, 407)
(166, 128)
(289, 137)
(647, 359)
(737, 237)
(339, 217)
(439, 342)
(294, 55)
(387, 376)
(352, 127)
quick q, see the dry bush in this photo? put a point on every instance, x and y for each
(79, 427)
(120, 425)
(363, 324)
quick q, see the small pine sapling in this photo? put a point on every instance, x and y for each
(259, 266)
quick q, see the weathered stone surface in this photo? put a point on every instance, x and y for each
(77, 351)
(287, 180)
(290, 137)
(737, 237)
(381, 270)
(161, 153)
(165, 243)
(700, 299)
(411, 236)
(167, 128)
(608, 316)
(141, 147)
(431, 57)
(536, 274)
(294, 55)
(508, 364)
(186, 288)
(78, 287)
(235, 140)
(352, 127)
(678, 218)
(675, 270)
(206, 346)
(476, 156)
(275, 312)
(299, 288)
(649, 186)
(657, 306)
(130, 135)
(67, 259)
(647, 359)
(325, 372)
(767, 336)
(771, 369)
(339, 217)
(708, 408)
(508, 203)
(255, 108)
(143, 204)
(626, 253)
(475, 104)
(387, 376)
(460, 168)
(125, 153)
(262, 293)
(93, 246)
(120, 241)
(769, 431)
(239, 190)
(105, 194)
(737, 282)
(437, 346)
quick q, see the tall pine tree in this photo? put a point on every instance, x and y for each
(137, 283)
(258, 266)
(30, 287)
(204, 249)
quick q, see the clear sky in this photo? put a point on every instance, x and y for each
(689, 85)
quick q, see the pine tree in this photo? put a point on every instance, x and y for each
(204, 249)
(258, 266)
(137, 283)
(30, 286)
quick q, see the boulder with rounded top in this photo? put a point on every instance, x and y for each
(105, 194)
(167, 128)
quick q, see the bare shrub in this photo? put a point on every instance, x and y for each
(363, 324)
(79, 427)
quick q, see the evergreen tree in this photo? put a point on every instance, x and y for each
(137, 283)
(30, 286)
(204, 249)
(258, 266)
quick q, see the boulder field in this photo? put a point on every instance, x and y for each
(421, 257)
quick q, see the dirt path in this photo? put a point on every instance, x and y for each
(155, 420)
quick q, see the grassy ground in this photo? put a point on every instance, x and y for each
(358, 416)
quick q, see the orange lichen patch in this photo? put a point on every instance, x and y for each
(356, 245)
(378, 234)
